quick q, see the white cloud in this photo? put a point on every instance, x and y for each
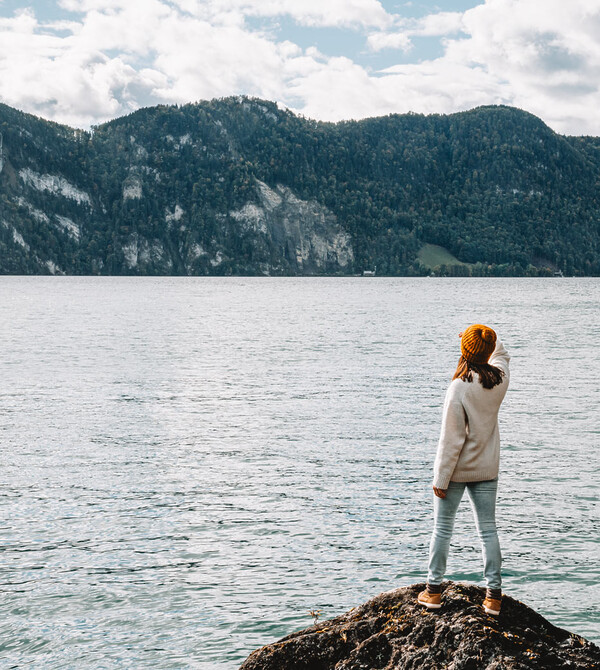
(549, 58)
(64, 78)
(164, 55)
(443, 87)
(338, 89)
(348, 13)
(383, 40)
(203, 61)
(545, 60)
(443, 23)
(431, 25)
(107, 57)
(345, 13)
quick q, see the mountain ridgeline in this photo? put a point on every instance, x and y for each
(238, 186)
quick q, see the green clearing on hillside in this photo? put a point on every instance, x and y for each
(432, 255)
(494, 184)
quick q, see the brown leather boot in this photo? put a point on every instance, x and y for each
(492, 605)
(432, 601)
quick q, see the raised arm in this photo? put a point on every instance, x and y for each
(500, 357)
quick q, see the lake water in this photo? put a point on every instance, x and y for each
(190, 465)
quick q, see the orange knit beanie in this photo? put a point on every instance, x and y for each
(478, 343)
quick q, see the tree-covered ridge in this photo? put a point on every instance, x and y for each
(190, 190)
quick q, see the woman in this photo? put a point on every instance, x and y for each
(468, 457)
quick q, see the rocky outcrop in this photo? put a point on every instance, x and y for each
(303, 232)
(393, 632)
(142, 253)
(132, 188)
(54, 184)
(239, 186)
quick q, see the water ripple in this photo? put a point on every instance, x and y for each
(191, 465)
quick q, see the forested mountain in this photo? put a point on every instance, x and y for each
(239, 186)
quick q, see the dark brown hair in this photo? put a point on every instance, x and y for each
(489, 376)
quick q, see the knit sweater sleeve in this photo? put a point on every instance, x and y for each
(452, 438)
(500, 357)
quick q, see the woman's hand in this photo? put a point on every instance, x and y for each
(440, 493)
(460, 334)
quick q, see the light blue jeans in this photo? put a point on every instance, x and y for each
(483, 502)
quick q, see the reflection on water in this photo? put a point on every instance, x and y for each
(191, 465)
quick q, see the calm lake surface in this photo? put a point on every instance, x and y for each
(190, 465)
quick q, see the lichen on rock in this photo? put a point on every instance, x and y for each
(393, 632)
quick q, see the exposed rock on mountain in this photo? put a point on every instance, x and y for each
(393, 632)
(239, 186)
(304, 233)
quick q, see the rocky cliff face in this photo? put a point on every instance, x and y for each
(289, 235)
(303, 232)
(393, 632)
(241, 187)
(187, 204)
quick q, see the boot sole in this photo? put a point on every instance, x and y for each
(492, 612)
(430, 606)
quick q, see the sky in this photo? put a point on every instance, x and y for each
(83, 62)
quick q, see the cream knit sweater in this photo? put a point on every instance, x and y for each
(469, 446)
